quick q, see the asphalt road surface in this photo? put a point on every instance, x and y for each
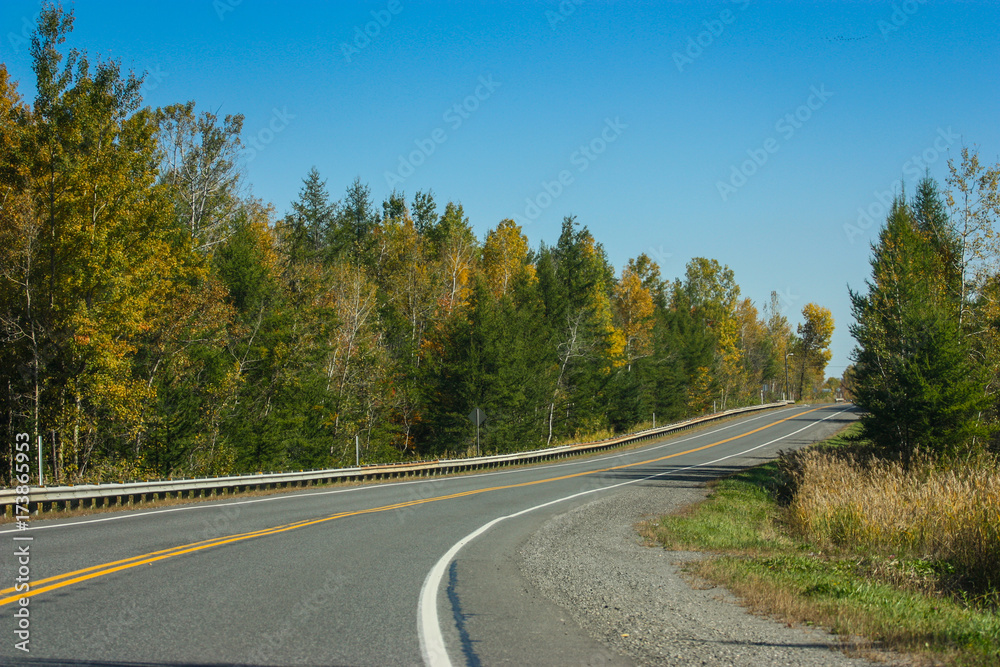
(407, 573)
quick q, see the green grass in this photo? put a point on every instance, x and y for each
(715, 526)
(874, 602)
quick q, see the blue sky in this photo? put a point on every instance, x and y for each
(753, 133)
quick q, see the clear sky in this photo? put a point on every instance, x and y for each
(753, 133)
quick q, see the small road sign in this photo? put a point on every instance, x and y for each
(477, 417)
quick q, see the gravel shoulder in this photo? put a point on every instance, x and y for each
(635, 599)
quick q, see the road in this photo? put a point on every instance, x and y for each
(365, 575)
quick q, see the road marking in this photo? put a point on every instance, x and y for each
(207, 505)
(432, 644)
(93, 572)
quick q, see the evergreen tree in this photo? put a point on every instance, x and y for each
(576, 285)
(931, 219)
(424, 211)
(394, 208)
(356, 220)
(913, 376)
(309, 229)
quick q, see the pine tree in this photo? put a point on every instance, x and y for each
(424, 211)
(356, 221)
(308, 230)
(913, 376)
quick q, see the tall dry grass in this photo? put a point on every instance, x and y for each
(878, 507)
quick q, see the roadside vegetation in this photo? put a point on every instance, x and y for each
(904, 560)
(158, 320)
(889, 535)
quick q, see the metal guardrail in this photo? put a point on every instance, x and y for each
(48, 498)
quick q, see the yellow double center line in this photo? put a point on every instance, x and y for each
(78, 576)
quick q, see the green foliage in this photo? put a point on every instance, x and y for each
(309, 230)
(158, 318)
(915, 377)
(740, 517)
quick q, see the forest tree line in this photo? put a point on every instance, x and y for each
(158, 320)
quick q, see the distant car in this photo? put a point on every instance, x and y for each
(838, 400)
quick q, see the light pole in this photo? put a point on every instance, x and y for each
(787, 354)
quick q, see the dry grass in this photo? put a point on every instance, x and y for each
(870, 620)
(946, 515)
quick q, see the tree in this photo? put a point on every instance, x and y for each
(423, 209)
(974, 201)
(711, 290)
(199, 164)
(394, 207)
(931, 218)
(21, 329)
(634, 310)
(505, 256)
(455, 249)
(832, 385)
(309, 229)
(709, 295)
(913, 376)
(813, 344)
(356, 221)
(576, 283)
(496, 359)
(106, 260)
(780, 340)
(756, 351)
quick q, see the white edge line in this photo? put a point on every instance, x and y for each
(432, 644)
(205, 505)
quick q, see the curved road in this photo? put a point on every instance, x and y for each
(352, 576)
